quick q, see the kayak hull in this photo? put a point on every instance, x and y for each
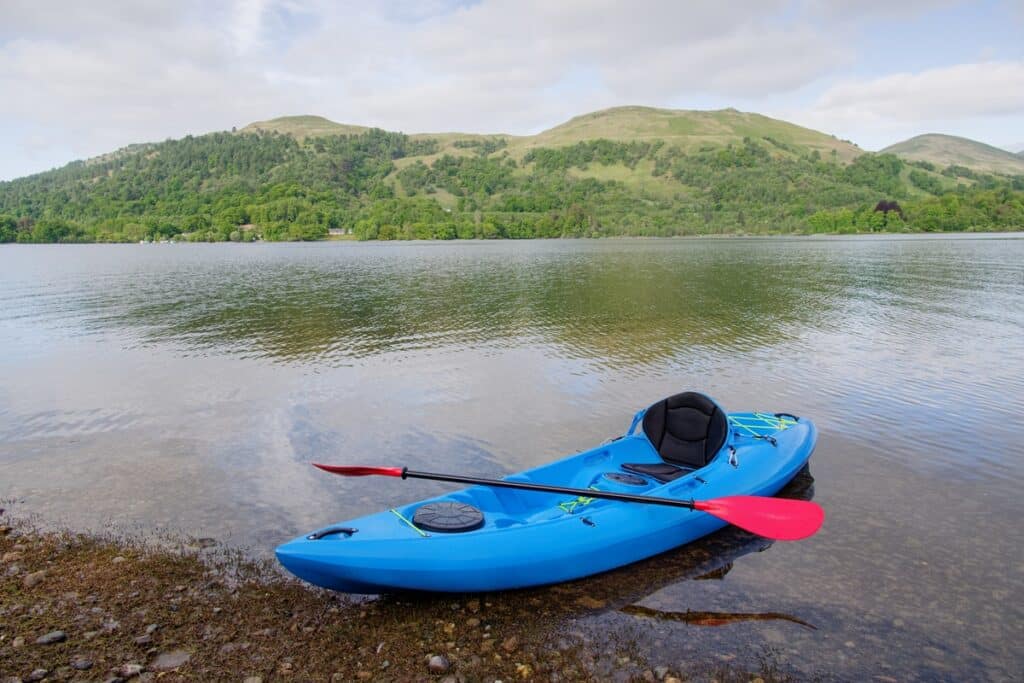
(533, 538)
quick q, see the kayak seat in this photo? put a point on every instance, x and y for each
(687, 430)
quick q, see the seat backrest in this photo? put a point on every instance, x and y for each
(687, 429)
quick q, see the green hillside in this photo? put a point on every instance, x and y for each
(950, 150)
(624, 171)
(683, 128)
(687, 129)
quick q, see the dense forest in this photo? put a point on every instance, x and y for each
(383, 185)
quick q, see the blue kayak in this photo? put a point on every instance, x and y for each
(483, 538)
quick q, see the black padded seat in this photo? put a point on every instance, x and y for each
(687, 430)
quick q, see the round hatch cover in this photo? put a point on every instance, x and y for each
(448, 517)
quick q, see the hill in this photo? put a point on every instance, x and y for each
(302, 127)
(689, 129)
(623, 171)
(949, 150)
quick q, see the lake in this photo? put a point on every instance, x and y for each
(188, 387)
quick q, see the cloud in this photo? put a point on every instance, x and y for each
(983, 101)
(952, 92)
(99, 75)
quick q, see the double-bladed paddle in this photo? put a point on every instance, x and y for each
(782, 519)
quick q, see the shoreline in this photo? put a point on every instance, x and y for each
(85, 607)
(348, 239)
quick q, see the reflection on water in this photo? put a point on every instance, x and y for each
(711, 618)
(190, 386)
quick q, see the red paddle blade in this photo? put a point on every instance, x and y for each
(360, 471)
(782, 519)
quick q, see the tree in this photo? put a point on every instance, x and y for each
(8, 229)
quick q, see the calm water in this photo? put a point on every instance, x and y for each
(189, 386)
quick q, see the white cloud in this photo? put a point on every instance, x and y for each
(247, 25)
(952, 92)
(90, 77)
(983, 101)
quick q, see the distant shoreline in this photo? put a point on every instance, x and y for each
(1013, 234)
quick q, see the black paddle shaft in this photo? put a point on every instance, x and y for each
(545, 488)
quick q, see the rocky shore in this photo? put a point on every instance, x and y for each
(80, 607)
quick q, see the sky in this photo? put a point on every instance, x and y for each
(79, 79)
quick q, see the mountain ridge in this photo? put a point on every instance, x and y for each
(692, 127)
(947, 150)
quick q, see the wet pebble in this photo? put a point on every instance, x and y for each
(228, 648)
(253, 679)
(52, 637)
(36, 675)
(18, 642)
(81, 663)
(168, 661)
(129, 670)
(438, 664)
(144, 640)
(660, 672)
(510, 644)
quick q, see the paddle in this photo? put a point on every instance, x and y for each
(781, 519)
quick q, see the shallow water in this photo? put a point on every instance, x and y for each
(189, 386)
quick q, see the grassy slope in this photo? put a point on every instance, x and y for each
(944, 150)
(689, 130)
(686, 129)
(302, 127)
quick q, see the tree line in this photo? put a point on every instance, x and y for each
(384, 185)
